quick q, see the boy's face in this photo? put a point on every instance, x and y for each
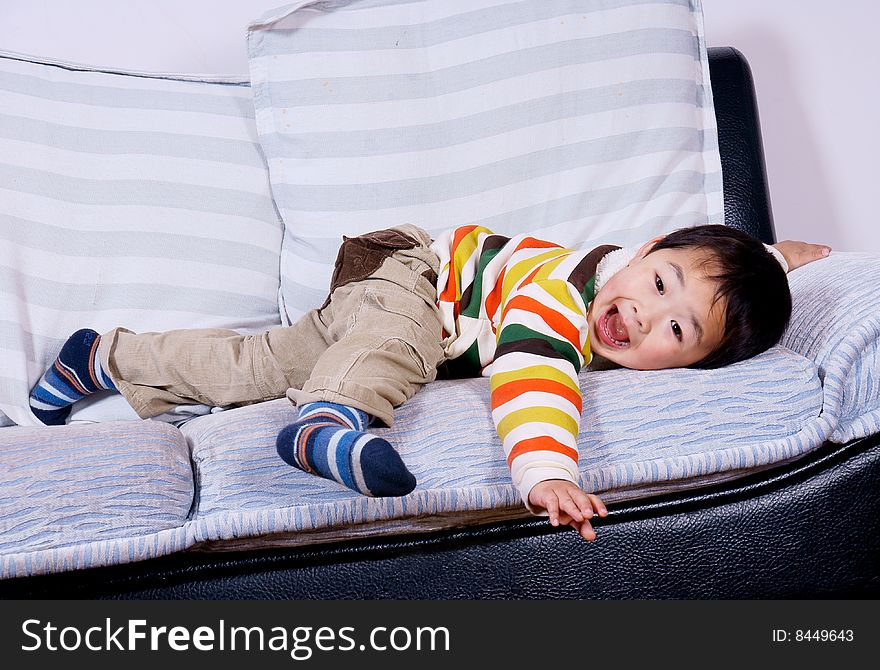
(657, 312)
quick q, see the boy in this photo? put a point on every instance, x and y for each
(526, 312)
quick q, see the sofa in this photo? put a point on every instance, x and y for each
(758, 481)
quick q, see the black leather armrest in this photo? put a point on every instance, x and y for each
(746, 196)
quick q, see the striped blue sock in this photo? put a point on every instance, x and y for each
(75, 374)
(329, 440)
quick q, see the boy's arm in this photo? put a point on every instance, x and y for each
(536, 399)
(795, 253)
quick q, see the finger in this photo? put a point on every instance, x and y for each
(814, 250)
(564, 519)
(552, 505)
(585, 505)
(570, 506)
(598, 505)
(586, 531)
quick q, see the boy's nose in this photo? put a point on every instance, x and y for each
(639, 319)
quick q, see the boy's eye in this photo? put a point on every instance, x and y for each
(658, 283)
(676, 330)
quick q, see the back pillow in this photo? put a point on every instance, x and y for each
(586, 121)
(127, 200)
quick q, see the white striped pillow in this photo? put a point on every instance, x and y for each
(587, 121)
(127, 200)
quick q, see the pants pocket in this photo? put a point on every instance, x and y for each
(404, 317)
(399, 302)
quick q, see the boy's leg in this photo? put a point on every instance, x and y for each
(216, 367)
(386, 336)
(385, 331)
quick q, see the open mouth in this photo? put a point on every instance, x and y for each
(612, 330)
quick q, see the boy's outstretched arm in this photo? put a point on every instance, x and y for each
(537, 403)
(567, 504)
(798, 253)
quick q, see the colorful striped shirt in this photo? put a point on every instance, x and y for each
(515, 309)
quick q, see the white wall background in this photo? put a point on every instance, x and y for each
(815, 65)
(817, 71)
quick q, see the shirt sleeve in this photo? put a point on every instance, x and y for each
(536, 398)
(778, 256)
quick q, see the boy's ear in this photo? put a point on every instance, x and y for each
(646, 247)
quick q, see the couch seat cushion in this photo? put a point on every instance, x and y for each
(70, 485)
(642, 433)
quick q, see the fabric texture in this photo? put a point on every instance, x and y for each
(75, 485)
(836, 324)
(128, 200)
(583, 121)
(648, 432)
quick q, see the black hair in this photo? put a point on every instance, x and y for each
(751, 283)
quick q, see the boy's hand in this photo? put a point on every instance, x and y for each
(568, 505)
(797, 253)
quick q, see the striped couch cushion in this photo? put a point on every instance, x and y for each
(836, 324)
(128, 200)
(681, 429)
(587, 121)
(70, 485)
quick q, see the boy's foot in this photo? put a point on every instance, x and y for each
(328, 440)
(75, 374)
